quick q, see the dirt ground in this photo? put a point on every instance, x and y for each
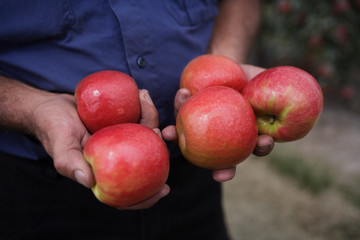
(261, 204)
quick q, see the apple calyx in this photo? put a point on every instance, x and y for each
(267, 123)
(270, 123)
(272, 119)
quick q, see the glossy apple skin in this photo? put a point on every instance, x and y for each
(216, 128)
(287, 102)
(130, 163)
(212, 70)
(106, 98)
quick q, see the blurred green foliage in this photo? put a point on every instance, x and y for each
(314, 176)
(352, 191)
(321, 37)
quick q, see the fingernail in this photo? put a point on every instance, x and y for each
(80, 177)
(184, 96)
(263, 150)
(157, 131)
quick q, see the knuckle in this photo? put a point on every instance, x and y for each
(60, 166)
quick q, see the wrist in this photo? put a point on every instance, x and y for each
(17, 103)
(228, 51)
(235, 29)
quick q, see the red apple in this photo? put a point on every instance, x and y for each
(341, 6)
(216, 128)
(315, 40)
(212, 70)
(342, 34)
(284, 6)
(106, 98)
(130, 163)
(347, 93)
(324, 70)
(287, 102)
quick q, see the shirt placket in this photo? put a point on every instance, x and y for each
(137, 39)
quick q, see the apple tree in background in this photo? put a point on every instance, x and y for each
(321, 37)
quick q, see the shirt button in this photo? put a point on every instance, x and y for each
(141, 62)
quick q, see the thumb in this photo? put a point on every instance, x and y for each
(264, 145)
(72, 164)
(181, 97)
(149, 113)
(251, 71)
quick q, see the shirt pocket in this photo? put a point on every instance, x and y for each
(31, 21)
(192, 12)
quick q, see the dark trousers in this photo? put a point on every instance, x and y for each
(38, 203)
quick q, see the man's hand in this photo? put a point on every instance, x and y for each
(264, 145)
(54, 120)
(56, 124)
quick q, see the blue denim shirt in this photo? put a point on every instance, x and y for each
(53, 44)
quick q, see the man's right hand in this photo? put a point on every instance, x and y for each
(59, 128)
(53, 119)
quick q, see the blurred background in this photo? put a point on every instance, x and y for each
(310, 188)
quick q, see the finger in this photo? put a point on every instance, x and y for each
(149, 113)
(181, 97)
(150, 201)
(158, 132)
(73, 165)
(264, 145)
(69, 160)
(169, 133)
(251, 71)
(224, 175)
(84, 139)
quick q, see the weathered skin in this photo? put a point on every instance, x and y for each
(287, 102)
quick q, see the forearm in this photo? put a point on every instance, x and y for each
(235, 28)
(17, 101)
